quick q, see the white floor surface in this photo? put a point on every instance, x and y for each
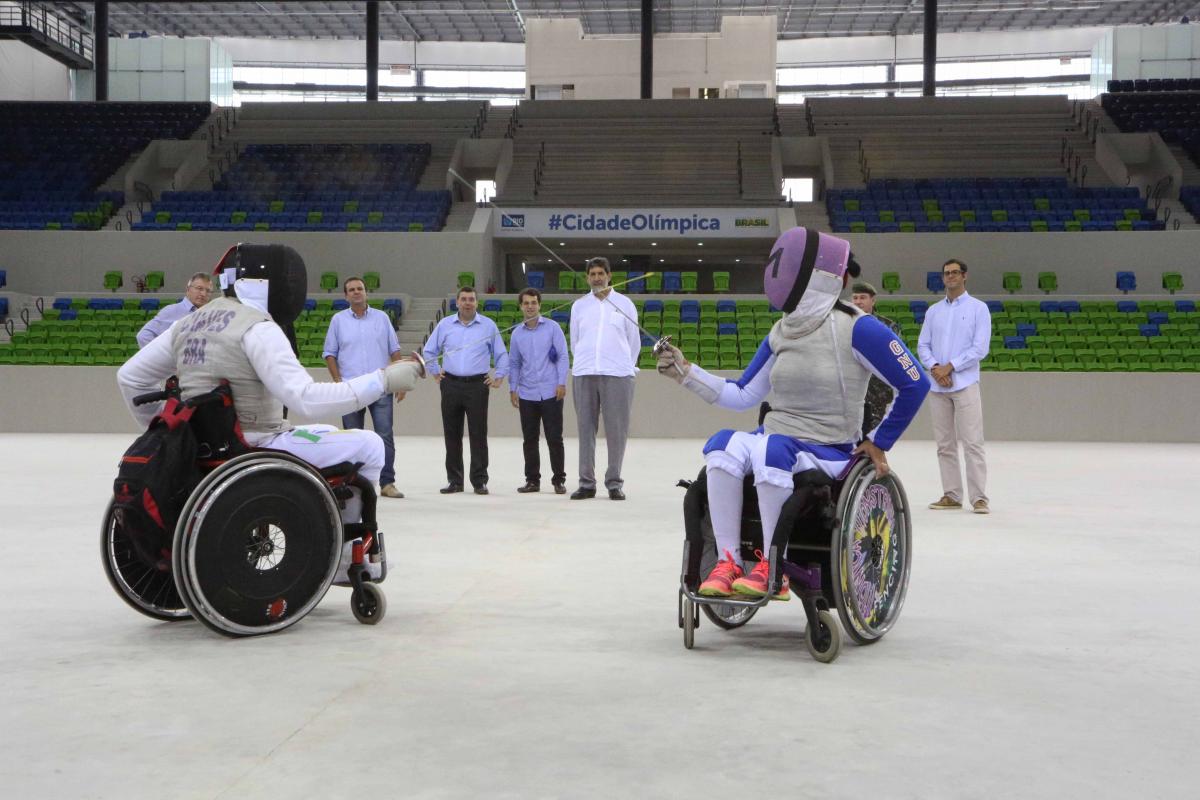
(1049, 650)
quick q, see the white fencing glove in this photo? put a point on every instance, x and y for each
(402, 376)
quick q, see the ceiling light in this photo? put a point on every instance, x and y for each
(737, 261)
(654, 244)
(610, 244)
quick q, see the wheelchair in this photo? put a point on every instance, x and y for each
(257, 543)
(843, 543)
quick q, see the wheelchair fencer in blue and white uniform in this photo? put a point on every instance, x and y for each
(815, 365)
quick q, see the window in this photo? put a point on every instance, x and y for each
(798, 190)
(485, 191)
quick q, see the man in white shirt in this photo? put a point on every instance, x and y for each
(605, 344)
(954, 339)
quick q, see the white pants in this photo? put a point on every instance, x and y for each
(325, 445)
(958, 417)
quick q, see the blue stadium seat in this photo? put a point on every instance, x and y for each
(3, 278)
(150, 304)
(1026, 329)
(654, 305)
(492, 305)
(1014, 343)
(1157, 318)
(536, 279)
(1126, 282)
(341, 304)
(672, 282)
(637, 282)
(1148, 330)
(1185, 305)
(1127, 306)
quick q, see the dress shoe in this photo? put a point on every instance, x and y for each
(390, 490)
(530, 486)
(452, 488)
(481, 489)
(583, 494)
(560, 489)
(616, 494)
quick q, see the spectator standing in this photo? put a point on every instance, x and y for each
(537, 380)
(954, 339)
(198, 292)
(467, 343)
(605, 342)
(360, 340)
(879, 394)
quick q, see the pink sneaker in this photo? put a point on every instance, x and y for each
(755, 584)
(719, 582)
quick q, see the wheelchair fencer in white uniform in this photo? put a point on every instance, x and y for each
(808, 477)
(283, 510)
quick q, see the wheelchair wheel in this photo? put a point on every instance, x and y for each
(871, 552)
(257, 544)
(143, 588)
(688, 620)
(825, 642)
(728, 616)
(370, 608)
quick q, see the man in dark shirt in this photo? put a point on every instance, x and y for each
(879, 394)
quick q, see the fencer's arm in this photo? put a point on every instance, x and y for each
(271, 355)
(752, 387)
(879, 350)
(145, 373)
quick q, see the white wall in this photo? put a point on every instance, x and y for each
(26, 74)
(1146, 51)
(164, 69)
(349, 53)
(609, 67)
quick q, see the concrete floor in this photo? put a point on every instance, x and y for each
(1051, 649)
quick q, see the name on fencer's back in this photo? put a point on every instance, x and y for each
(212, 321)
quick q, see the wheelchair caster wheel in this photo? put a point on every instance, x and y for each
(690, 620)
(370, 607)
(825, 642)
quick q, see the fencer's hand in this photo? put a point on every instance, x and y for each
(516, 401)
(560, 392)
(877, 456)
(401, 376)
(495, 383)
(672, 363)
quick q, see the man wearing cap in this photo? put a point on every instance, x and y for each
(879, 394)
(815, 364)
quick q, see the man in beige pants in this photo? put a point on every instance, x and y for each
(954, 339)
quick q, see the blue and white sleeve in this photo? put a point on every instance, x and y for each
(738, 395)
(879, 350)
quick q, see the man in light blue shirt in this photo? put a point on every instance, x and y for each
(537, 381)
(360, 340)
(467, 344)
(199, 290)
(954, 339)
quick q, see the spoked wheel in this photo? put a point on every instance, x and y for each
(727, 616)
(824, 640)
(257, 544)
(145, 589)
(371, 606)
(871, 553)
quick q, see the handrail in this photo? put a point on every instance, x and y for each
(1177, 224)
(40, 305)
(10, 327)
(808, 117)
(144, 189)
(25, 316)
(1083, 176)
(539, 169)
(1167, 214)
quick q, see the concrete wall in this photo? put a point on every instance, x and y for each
(609, 67)
(422, 264)
(1017, 406)
(26, 74)
(1139, 159)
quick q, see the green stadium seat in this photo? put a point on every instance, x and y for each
(262, 226)
(354, 226)
(720, 282)
(1012, 282)
(891, 282)
(329, 281)
(113, 280)
(858, 227)
(371, 279)
(1172, 282)
(653, 282)
(689, 282)
(1039, 226)
(468, 279)
(887, 216)
(1047, 282)
(276, 206)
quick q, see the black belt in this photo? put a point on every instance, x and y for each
(466, 378)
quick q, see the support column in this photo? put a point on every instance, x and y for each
(372, 51)
(647, 49)
(100, 49)
(929, 84)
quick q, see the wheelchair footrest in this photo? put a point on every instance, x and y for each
(804, 577)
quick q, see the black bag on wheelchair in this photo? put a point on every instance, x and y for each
(155, 477)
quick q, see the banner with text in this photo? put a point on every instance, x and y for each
(639, 223)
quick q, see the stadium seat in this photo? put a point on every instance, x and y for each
(1172, 282)
(720, 282)
(566, 281)
(654, 282)
(113, 280)
(689, 282)
(637, 282)
(3, 278)
(154, 281)
(891, 282)
(1126, 282)
(1012, 282)
(1047, 282)
(934, 282)
(468, 279)
(535, 279)
(672, 282)
(371, 280)
(329, 281)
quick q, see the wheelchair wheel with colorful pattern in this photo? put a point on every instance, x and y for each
(257, 544)
(871, 552)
